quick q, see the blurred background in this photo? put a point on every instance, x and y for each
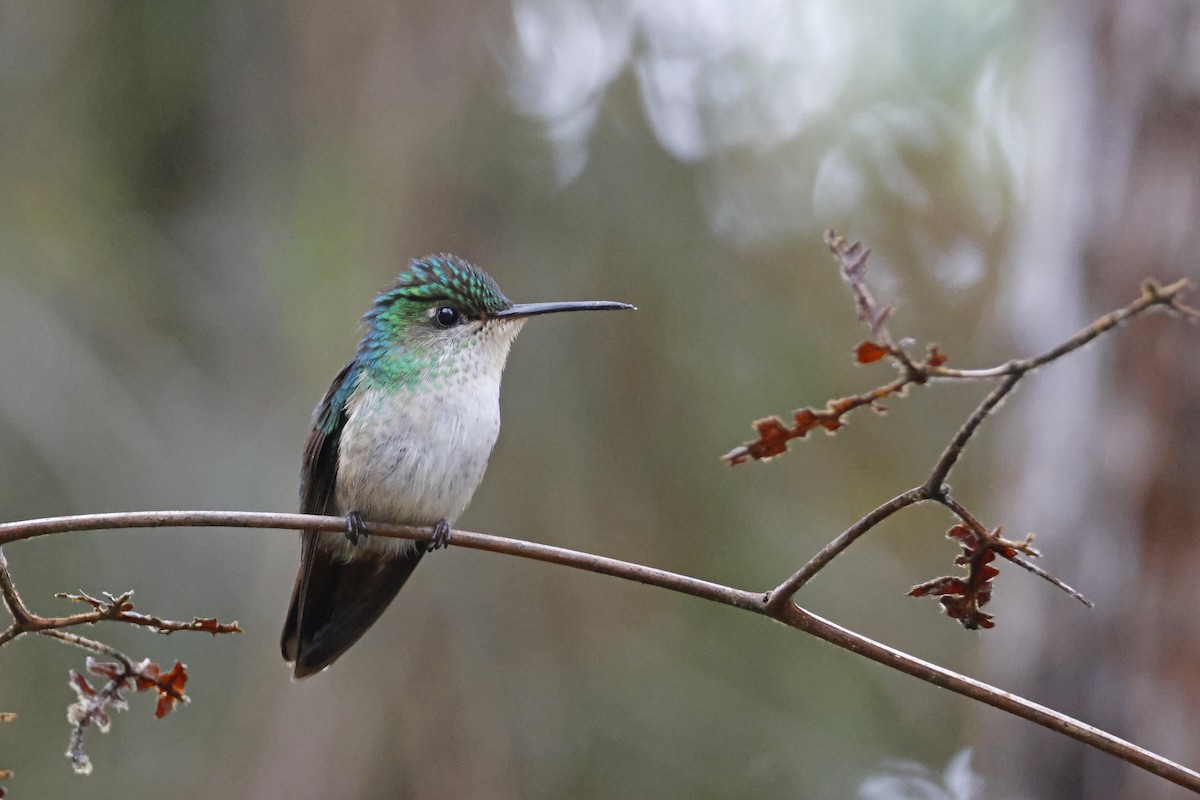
(198, 201)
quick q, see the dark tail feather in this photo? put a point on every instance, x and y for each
(334, 602)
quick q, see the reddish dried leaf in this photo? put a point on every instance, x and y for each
(962, 534)
(773, 434)
(830, 419)
(963, 598)
(81, 685)
(939, 586)
(166, 704)
(967, 612)
(772, 438)
(869, 352)
(806, 420)
(147, 676)
(936, 357)
(170, 688)
(105, 669)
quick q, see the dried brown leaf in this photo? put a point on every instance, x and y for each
(170, 689)
(81, 685)
(106, 669)
(963, 598)
(773, 434)
(868, 352)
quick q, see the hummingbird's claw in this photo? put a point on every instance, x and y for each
(441, 534)
(355, 527)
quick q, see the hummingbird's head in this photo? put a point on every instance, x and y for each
(445, 317)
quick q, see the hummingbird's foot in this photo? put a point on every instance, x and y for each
(441, 534)
(355, 527)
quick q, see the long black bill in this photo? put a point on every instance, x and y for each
(531, 309)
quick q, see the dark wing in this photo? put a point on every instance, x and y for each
(318, 474)
(335, 600)
(318, 479)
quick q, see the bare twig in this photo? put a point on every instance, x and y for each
(756, 601)
(1153, 295)
(114, 608)
(119, 609)
(1029, 566)
(22, 617)
(950, 456)
(778, 597)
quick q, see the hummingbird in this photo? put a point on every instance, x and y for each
(402, 436)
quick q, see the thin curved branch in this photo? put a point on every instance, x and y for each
(784, 592)
(789, 613)
(24, 620)
(1169, 296)
(18, 531)
(808, 622)
(954, 449)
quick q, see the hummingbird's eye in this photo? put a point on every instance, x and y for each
(446, 317)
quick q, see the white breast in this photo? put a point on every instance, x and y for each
(416, 455)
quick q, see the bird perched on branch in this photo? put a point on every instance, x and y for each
(402, 436)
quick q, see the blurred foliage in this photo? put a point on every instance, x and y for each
(197, 201)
